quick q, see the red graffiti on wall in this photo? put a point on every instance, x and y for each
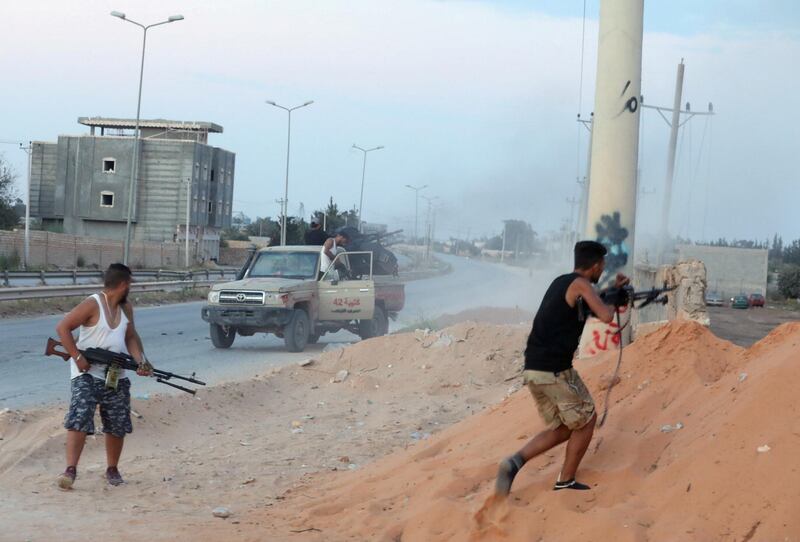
(600, 341)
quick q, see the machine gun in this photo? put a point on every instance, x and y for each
(621, 297)
(101, 356)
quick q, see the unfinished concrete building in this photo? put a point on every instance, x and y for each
(80, 184)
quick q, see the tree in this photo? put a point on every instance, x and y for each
(791, 253)
(333, 218)
(9, 217)
(789, 282)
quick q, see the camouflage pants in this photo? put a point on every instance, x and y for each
(115, 406)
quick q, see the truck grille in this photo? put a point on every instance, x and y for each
(232, 297)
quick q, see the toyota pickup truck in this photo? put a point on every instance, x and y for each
(283, 291)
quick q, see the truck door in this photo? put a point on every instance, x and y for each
(346, 298)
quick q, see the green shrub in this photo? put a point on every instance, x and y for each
(789, 282)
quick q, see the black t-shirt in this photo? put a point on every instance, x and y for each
(316, 237)
(556, 331)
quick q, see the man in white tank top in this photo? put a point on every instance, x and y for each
(104, 320)
(331, 247)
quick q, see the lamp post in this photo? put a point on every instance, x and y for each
(416, 190)
(288, 144)
(363, 173)
(429, 226)
(135, 166)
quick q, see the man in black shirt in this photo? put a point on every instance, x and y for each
(316, 235)
(561, 397)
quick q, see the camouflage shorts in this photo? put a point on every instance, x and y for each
(561, 398)
(115, 406)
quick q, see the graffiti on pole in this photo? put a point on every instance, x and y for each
(612, 235)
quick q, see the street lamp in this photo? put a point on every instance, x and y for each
(416, 190)
(363, 172)
(288, 143)
(135, 166)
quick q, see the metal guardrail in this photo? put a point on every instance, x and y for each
(155, 275)
(73, 290)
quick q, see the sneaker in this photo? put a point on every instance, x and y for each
(570, 484)
(113, 477)
(66, 479)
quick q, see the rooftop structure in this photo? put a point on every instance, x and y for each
(153, 128)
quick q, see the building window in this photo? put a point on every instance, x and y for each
(210, 207)
(109, 165)
(212, 175)
(106, 199)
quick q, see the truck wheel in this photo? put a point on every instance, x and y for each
(376, 327)
(222, 337)
(314, 338)
(296, 332)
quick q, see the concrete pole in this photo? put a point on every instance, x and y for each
(611, 213)
(673, 144)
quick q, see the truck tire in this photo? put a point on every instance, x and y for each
(376, 327)
(313, 338)
(220, 338)
(297, 331)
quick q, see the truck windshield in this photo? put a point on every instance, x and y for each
(292, 265)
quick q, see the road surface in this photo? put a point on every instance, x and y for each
(177, 340)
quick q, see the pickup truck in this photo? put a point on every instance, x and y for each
(283, 291)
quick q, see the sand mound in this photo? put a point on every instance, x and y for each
(706, 480)
(242, 444)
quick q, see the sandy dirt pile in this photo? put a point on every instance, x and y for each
(701, 443)
(244, 445)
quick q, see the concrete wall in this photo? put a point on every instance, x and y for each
(63, 251)
(730, 271)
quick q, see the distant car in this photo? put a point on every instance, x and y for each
(740, 302)
(756, 300)
(714, 299)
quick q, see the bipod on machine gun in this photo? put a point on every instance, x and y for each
(101, 356)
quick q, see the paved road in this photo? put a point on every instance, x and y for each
(176, 339)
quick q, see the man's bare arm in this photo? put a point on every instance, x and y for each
(134, 342)
(328, 246)
(80, 315)
(584, 289)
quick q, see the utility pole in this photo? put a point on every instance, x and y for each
(573, 202)
(188, 220)
(674, 125)
(585, 182)
(416, 190)
(26, 252)
(282, 202)
(503, 250)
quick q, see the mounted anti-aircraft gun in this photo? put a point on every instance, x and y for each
(384, 261)
(100, 356)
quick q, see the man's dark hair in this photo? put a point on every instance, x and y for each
(116, 274)
(588, 253)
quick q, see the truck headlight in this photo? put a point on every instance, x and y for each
(213, 297)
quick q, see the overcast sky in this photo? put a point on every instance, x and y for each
(476, 99)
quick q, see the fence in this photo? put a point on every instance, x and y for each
(62, 250)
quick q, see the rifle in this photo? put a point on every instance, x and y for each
(101, 356)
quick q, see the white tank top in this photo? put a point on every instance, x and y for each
(101, 335)
(325, 262)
